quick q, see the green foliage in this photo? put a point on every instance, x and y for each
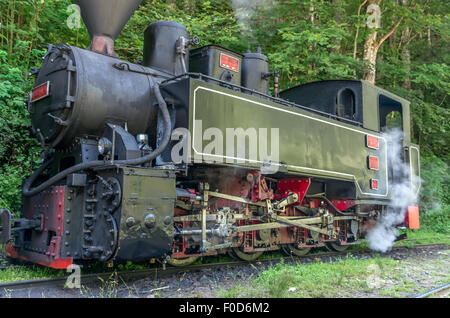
(435, 176)
(16, 147)
(437, 220)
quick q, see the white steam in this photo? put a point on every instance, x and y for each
(244, 10)
(382, 236)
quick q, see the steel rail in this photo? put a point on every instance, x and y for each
(161, 272)
(437, 290)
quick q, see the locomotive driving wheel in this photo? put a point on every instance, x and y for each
(180, 262)
(245, 256)
(232, 254)
(293, 249)
(333, 246)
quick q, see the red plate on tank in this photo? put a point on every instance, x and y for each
(374, 184)
(372, 142)
(229, 62)
(40, 92)
(373, 162)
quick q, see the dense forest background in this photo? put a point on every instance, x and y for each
(403, 47)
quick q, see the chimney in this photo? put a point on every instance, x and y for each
(105, 20)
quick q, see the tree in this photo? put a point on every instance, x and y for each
(372, 44)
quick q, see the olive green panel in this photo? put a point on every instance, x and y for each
(414, 161)
(406, 121)
(148, 201)
(206, 60)
(370, 107)
(308, 144)
(371, 115)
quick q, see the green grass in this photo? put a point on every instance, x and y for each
(18, 273)
(349, 277)
(424, 236)
(312, 280)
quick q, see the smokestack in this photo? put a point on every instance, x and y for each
(105, 20)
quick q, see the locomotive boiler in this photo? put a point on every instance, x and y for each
(187, 153)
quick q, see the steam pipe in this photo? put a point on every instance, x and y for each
(95, 164)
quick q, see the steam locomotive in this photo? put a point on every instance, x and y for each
(136, 166)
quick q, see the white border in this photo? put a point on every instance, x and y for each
(418, 169)
(296, 114)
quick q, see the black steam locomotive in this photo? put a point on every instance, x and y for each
(136, 166)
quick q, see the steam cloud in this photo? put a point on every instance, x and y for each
(382, 236)
(244, 9)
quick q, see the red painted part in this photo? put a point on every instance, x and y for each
(59, 263)
(373, 162)
(260, 191)
(412, 218)
(315, 203)
(343, 205)
(293, 185)
(49, 203)
(232, 185)
(180, 249)
(372, 142)
(40, 92)
(374, 184)
(229, 62)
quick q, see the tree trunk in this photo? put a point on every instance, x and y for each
(355, 42)
(406, 58)
(370, 56)
(372, 45)
(172, 3)
(311, 47)
(337, 49)
(405, 53)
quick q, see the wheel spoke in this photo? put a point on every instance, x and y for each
(246, 256)
(292, 249)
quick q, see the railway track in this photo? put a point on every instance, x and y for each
(161, 272)
(438, 291)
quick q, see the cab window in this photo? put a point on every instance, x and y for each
(345, 104)
(391, 115)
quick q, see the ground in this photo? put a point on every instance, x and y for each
(400, 273)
